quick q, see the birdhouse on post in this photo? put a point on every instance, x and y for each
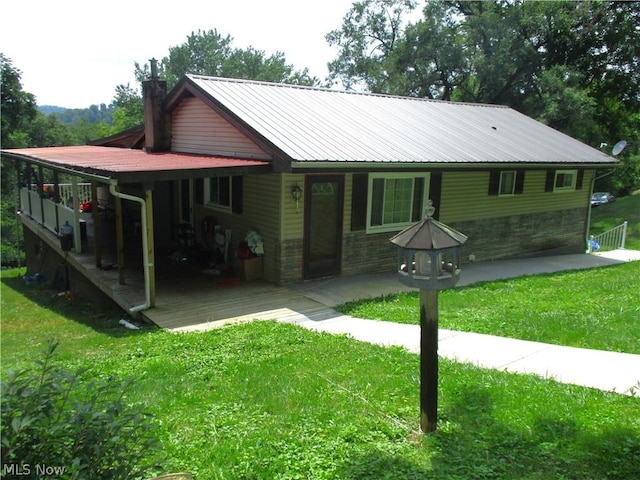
(429, 259)
(429, 254)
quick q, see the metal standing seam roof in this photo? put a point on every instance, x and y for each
(315, 124)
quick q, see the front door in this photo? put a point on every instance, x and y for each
(323, 204)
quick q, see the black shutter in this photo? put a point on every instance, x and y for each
(435, 192)
(236, 193)
(551, 177)
(519, 182)
(359, 201)
(494, 182)
(579, 179)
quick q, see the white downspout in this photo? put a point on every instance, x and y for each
(145, 245)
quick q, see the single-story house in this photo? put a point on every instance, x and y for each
(322, 177)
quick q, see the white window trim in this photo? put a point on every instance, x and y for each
(570, 188)
(513, 188)
(216, 206)
(393, 227)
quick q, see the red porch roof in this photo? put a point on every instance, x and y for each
(124, 164)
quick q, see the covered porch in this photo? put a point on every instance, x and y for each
(186, 298)
(123, 243)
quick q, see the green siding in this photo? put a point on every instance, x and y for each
(465, 197)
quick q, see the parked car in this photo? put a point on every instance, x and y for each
(600, 198)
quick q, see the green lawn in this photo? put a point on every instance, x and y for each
(608, 216)
(596, 308)
(267, 400)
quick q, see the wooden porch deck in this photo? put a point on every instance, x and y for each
(201, 303)
(187, 299)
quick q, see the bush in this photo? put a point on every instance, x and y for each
(72, 426)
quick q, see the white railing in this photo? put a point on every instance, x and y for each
(66, 195)
(613, 239)
(65, 191)
(52, 215)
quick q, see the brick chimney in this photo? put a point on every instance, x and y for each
(157, 124)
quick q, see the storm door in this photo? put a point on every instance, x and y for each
(323, 205)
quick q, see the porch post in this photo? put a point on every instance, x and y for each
(40, 192)
(148, 197)
(77, 241)
(95, 216)
(56, 197)
(19, 226)
(29, 186)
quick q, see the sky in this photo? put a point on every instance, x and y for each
(74, 53)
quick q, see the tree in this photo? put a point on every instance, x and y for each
(17, 107)
(48, 131)
(366, 40)
(129, 110)
(430, 60)
(572, 65)
(565, 105)
(206, 53)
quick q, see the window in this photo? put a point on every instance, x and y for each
(565, 180)
(224, 193)
(395, 200)
(218, 192)
(507, 183)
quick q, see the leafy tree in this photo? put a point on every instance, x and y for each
(565, 105)
(206, 53)
(369, 33)
(209, 53)
(48, 131)
(572, 65)
(17, 107)
(129, 110)
(430, 60)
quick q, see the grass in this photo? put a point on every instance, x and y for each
(265, 400)
(605, 217)
(595, 308)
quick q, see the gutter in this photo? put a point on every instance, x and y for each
(145, 247)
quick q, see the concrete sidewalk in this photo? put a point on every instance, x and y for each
(608, 371)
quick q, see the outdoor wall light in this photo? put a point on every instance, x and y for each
(296, 195)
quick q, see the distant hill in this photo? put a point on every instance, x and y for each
(92, 114)
(47, 109)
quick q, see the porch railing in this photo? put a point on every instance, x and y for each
(65, 191)
(610, 240)
(52, 215)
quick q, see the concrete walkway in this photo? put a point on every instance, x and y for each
(608, 371)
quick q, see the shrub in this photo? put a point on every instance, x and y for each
(72, 425)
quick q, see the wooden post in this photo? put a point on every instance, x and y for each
(428, 360)
(77, 241)
(148, 197)
(17, 210)
(95, 217)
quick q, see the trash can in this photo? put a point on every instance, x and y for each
(66, 237)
